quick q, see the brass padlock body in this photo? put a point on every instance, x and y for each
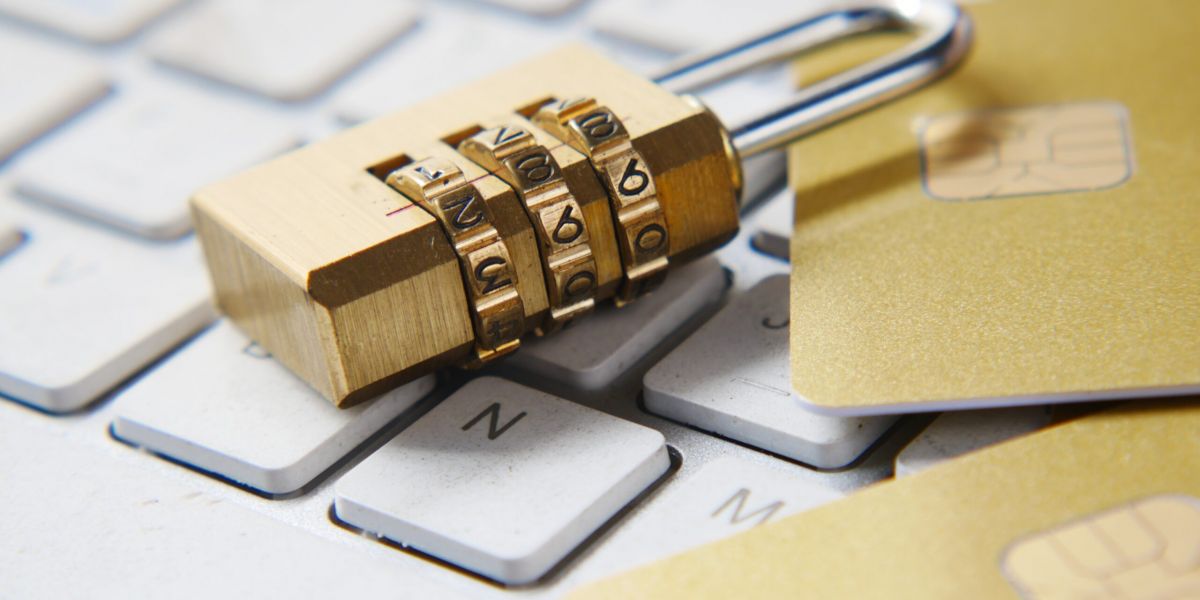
(356, 289)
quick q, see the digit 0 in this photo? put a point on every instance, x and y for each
(650, 238)
(579, 284)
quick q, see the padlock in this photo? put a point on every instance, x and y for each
(441, 234)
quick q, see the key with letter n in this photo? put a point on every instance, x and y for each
(495, 430)
(510, 504)
(726, 496)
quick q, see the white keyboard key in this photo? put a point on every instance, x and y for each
(537, 7)
(83, 308)
(457, 45)
(749, 265)
(285, 49)
(501, 479)
(41, 88)
(956, 433)
(732, 378)
(91, 20)
(596, 351)
(688, 25)
(10, 237)
(223, 405)
(92, 521)
(136, 160)
(726, 497)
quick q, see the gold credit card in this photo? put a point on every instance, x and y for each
(1107, 506)
(1025, 231)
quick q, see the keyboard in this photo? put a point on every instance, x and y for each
(148, 447)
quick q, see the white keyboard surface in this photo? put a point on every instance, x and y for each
(95, 522)
(207, 405)
(47, 85)
(82, 308)
(461, 43)
(148, 449)
(137, 157)
(725, 497)
(102, 21)
(10, 236)
(594, 352)
(733, 378)
(502, 479)
(285, 49)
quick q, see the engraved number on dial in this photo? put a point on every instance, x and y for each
(467, 213)
(568, 228)
(598, 126)
(580, 284)
(485, 271)
(505, 135)
(428, 174)
(650, 238)
(502, 329)
(536, 167)
(633, 181)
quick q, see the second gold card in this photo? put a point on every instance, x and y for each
(1025, 231)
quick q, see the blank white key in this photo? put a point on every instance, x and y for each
(454, 46)
(135, 161)
(82, 308)
(537, 7)
(686, 25)
(91, 20)
(145, 535)
(10, 236)
(501, 479)
(595, 351)
(40, 86)
(732, 378)
(223, 405)
(727, 496)
(286, 49)
(956, 433)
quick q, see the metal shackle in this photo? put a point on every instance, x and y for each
(944, 36)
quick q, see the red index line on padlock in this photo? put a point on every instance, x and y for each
(400, 210)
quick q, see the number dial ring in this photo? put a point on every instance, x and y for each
(512, 153)
(497, 312)
(641, 226)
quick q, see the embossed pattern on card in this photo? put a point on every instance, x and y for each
(1020, 151)
(1145, 549)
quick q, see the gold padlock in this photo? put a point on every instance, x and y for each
(441, 234)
